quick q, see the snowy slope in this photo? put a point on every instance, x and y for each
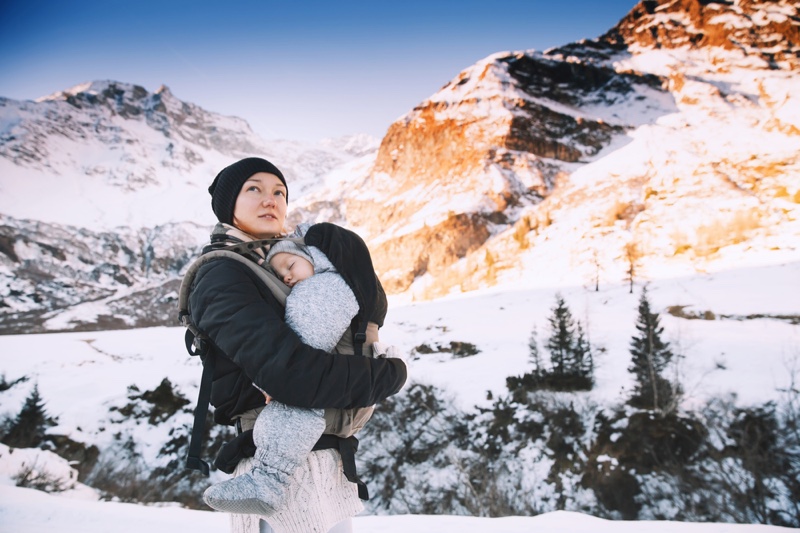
(86, 378)
(755, 352)
(28, 511)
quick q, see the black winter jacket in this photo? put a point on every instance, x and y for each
(253, 344)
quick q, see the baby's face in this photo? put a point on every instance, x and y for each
(291, 268)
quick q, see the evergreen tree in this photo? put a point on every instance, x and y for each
(30, 425)
(650, 357)
(632, 256)
(582, 350)
(571, 365)
(533, 351)
(561, 341)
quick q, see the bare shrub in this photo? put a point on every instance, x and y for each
(121, 474)
(32, 477)
(633, 255)
(521, 230)
(459, 349)
(726, 231)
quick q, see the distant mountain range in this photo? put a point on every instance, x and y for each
(103, 200)
(668, 145)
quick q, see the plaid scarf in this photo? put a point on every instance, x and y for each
(225, 235)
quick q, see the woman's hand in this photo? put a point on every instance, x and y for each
(267, 397)
(381, 350)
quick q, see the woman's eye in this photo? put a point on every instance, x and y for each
(253, 188)
(280, 193)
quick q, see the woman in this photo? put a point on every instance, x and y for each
(254, 346)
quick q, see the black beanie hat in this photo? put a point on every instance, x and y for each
(228, 183)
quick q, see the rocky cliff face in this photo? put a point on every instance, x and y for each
(493, 141)
(766, 29)
(469, 182)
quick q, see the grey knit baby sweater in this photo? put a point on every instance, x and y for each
(319, 309)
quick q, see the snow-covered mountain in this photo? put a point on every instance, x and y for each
(112, 154)
(667, 146)
(677, 132)
(64, 277)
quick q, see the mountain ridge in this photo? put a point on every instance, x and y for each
(636, 151)
(149, 156)
(554, 116)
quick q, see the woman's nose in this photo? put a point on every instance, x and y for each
(269, 200)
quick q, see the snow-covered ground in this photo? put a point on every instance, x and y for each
(31, 511)
(748, 357)
(81, 375)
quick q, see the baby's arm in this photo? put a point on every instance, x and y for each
(320, 309)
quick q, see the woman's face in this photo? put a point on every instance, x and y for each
(261, 206)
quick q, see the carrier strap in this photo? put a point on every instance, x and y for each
(347, 449)
(359, 334)
(243, 447)
(198, 344)
(193, 460)
(278, 289)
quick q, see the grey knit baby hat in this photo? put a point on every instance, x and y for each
(289, 247)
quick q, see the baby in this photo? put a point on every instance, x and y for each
(319, 309)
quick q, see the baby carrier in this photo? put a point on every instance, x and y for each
(350, 256)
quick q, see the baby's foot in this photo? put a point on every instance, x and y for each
(257, 492)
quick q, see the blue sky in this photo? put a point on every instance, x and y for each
(295, 70)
